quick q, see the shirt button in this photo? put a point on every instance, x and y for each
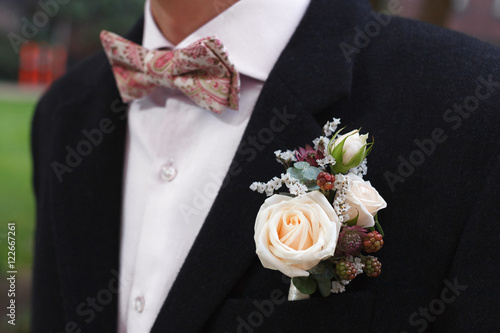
(139, 304)
(168, 173)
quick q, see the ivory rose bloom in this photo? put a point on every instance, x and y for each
(293, 234)
(352, 145)
(365, 199)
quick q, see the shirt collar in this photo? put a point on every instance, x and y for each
(254, 32)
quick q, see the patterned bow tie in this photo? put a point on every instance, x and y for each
(202, 71)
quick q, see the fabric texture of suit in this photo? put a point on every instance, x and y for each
(440, 271)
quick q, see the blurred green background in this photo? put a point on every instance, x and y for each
(16, 200)
(16, 195)
(73, 27)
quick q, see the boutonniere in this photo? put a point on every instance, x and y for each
(323, 230)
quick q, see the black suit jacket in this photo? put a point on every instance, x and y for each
(430, 98)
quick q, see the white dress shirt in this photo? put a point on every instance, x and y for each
(178, 154)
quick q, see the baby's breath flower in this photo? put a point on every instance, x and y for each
(339, 287)
(285, 157)
(328, 160)
(258, 186)
(360, 170)
(331, 126)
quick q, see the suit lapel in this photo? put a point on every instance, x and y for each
(86, 201)
(224, 247)
(311, 76)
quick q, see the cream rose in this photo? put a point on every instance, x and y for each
(352, 144)
(293, 234)
(363, 199)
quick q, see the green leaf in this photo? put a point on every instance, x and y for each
(322, 271)
(296, 173)
(312, 173)
(325, 287)
(334, 137)
(305, 285)
(369, 147)
(338, 151)
(301, 165)
(339, 168)
(338, 154)
(318, 269)
(312, 186)
(378, 226)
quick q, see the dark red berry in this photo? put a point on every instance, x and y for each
(325, 181)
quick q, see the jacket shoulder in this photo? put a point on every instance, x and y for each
(414, 42)
(78, 81)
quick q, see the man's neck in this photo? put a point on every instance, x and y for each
(177, 19)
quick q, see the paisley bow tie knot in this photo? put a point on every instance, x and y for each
(202, 71)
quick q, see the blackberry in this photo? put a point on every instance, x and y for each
(373, 267)
(345, 270)
(373, 242)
